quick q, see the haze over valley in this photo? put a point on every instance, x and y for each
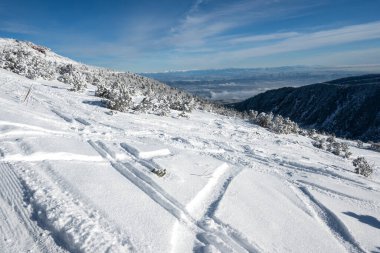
(235, 85)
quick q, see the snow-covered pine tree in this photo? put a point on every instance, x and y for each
(362, 167)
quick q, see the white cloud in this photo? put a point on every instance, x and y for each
(265, 37)
(283, 43)
(369, 58)
(313, 40)
(18, 28)
(201, 28)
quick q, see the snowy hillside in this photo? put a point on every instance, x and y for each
(76, 178)
(347, 107)
(123, 91)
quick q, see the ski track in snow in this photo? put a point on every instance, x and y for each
(207, 235)
(292, 166)
(83, 121)
(334, 224)
(209, 230)
(59, 156)
(17, 217)
(74, 226)
(339, 194)
(325, 216)
(63, 116)
(34, 129)
(148, 163)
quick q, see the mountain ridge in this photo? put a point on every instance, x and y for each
(348, 107)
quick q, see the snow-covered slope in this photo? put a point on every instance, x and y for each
(123, 91)
(6, 44)
(76, 178)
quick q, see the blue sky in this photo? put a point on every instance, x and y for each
(155, 35)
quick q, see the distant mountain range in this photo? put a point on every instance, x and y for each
(348, 107)
(236, 84)
(248, 73)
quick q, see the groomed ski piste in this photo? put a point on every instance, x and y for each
(76, 178)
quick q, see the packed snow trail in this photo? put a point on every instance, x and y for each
(75, 177)
(74, 226)
(19, 232)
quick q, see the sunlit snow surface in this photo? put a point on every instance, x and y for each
(75, 178)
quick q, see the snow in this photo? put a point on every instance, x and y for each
(146, 149)
(76, 178)
(49, 55)
(281, 216)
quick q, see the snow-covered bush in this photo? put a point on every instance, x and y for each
(336, 148)
(359, 144)
(347, 154)
(121, 101)
(311, 133)
(145, 95)
(319, 143)
(362, 167)
(345, 149)
(278, 125)
(183, 115)
(375, 147)
(264, 119)
(330, 139)
(70, 74)
(26, 61)
(330, 144)
(123, 91)
(275, 123)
